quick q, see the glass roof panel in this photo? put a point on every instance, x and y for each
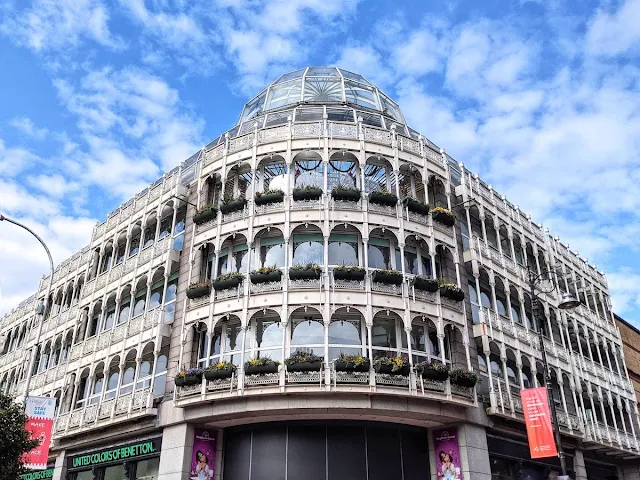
(284, 94)
(290, 76)
(254, 107)
(389, 107)
(322, 72)
(323, 90)
(359, 94)
(354, 76)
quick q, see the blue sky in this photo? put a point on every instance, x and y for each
(542, 99)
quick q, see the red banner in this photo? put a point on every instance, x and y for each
(40, 412)
(535, 405)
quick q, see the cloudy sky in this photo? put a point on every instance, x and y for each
(541, 98)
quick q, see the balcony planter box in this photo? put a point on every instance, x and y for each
(345, 195)
(205, 214)
(443, 217)
(306, 274)
(463, 378)
(261, 369)
(270, 197)
(388, 369)
(452, 292)
(257, 277)
(189, 379)
(305, 367)
(416, 206)
(349, 274)
(220, 373)
(347, 364)
(233, 205)
(226, 283)
(389, 277)
(432, 371)
(198, 290)
(383, 198)
(426, 284)
(310, 193)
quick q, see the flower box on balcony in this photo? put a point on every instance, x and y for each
(232, 205)
(269, 196)
(392, 366)
(303, 362)
(205, 214)
(266, 274)
(390, 277)
(352, 363)
(433, 370)
(346, 194)
(443, 216)
(349, 273)
(261, 365)
(307, 193)
(310, 271)
(228, 280)
(463, 378)
(220, 370)
(425, 283)
(416, 206)
(192, 376)
(382, 197)
(197, 290)
(452, 291)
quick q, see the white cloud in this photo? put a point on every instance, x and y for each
(615, 33)
(14, 160)
(625, 291)
(26, 126)
(54, 185)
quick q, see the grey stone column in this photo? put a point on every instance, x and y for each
(60, 468)
(578, 465)
(175, 458)
(474, 453)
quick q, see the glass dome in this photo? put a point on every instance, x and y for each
(321, 85)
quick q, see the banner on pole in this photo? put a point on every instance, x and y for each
(40, 412)
(537, 417)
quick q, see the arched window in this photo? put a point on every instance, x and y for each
(145, 370)
(345, 337)
(307, 335)
(343, 249)
(160, 380)
(270, 253)
(112, 382)
(379, 253)
(128, 377)
(308, 248)
(268, 338)
(419, 343)
(233, 342)
(155, 300)
(501, 309)
(124, 314)
(96, 392)
(511, 374)
(384, 336)
(138, 309)
(83, 392)
(170, 301)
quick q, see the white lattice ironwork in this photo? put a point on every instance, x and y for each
(348, 284)
(468, 392)
(203, 227)
(75, 419)
(237, 215)
(200, 301)
(62, 422)
(345, 205)
(222, 384)
(350, 377)
(89, 345)
(119, 332)
(424, 295)
(434, 157)
(274, 134)
(145, 255)
(269, 208)
(418, 218)
(229, 292)
(392, 380)
(101, 281)
(301, 284)
(408, 145)
(241, 143)
(306, 377)
(443, 229)
(214, 154)
(452, 304)
(76, 352)
(386, 288)
(306, 205)
(140, 398)
(374, 135)
(155, 192)
(106, 408)
(122, 404)
(341, 130)
(265, 287)
(303, 130)
(90, 414)
(382, 209)
(135, 325)
(263, 379)
(431, 385)
(189, 390)
(103, 340)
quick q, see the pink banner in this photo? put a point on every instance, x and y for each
(40, 412)
(535, 405)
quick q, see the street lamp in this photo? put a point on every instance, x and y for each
(40, 309)
(567, 302)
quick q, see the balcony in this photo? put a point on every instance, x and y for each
(126, 407)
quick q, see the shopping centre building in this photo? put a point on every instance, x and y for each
(318, 225)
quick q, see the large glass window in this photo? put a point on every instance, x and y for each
(379, 253)
(83, 392)
(145, 371)
(147, 469)
(140, 304)
(127, 379)
(343, 249)
(115, 472)
(233, 343)
(360, 94)
(345, 336)
(475, 303)
(268, 338)
(307, 335)
(125, 311)
(170, 301)
(112, 382)
(308, 248)
(384, 337)
(419, 342)
(96, 391)
(271, 253)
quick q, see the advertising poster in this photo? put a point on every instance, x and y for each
(40, 412)
(535, 405)
(203, 458)
(445, 443)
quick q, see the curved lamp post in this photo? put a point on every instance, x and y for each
(41, 309)
(567, 302)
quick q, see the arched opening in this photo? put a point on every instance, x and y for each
(233, 255)
(379, 175)
(121, 247)
(437, 193)
(410, 183)
(98, 384)
(501, 299)
(517, 247)
(145, 369)
(136, 238)
(381, 244)
(129, 373)
(266, 335)
(504, 241)
(454, 348)
(271, 174)
(445, 265)
(387, 335)
(527, 375)
(157, 286)
(83, 390)
(308, 245)
(347, 333)
(345, 245)
(308, 169)
(269, 248)
(342, 170)
(307, 331)
(492, 236)
(512, 371)
(149, 232)
(113, 376)
(238, 182)
(417, 259)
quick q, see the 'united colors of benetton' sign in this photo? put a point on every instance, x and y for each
(115, 454)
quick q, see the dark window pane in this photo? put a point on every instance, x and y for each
(346, 458)
(268, 454)
(415, 454)
(306, 453)
(383, 453)
(236, 455)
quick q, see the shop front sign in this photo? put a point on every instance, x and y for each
(37, 474)
(537, 418)
(447, 450)
(40, 412)
(116, 454)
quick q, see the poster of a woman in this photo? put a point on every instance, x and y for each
(447, 454)
(203, 457)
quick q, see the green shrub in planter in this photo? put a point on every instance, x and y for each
(232, 205)
(269, 196)
(463, 378)
(200, 289)
(343, 272)
(308, 271)
(433, 370)
(390, 277)
(383, 197)
(261, 365)
(265, 274)
(191, 376)
(204, 214)
(352, 363)
(425, 283)
(392, 366)
(304, 362)
(416, 206)
(347, 194)
(219, 371)
(228, 280)
(443, 216)
(452, 291)
(307, 192)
